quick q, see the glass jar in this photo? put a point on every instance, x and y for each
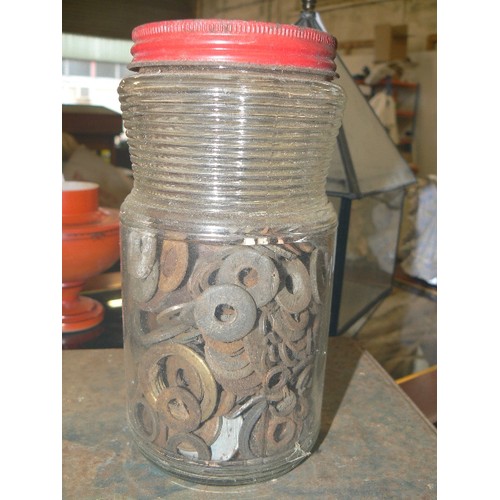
(227, 242)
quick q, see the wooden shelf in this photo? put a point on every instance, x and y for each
(385, 81)
(397, 83)
(94, 126)
(405, 113)
(421, 387)
(406, 96)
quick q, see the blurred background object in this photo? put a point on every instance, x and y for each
(79, 163)
(90, 246)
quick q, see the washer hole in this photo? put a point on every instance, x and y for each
(225, 313)
(160, 382)
(248, 277)
(289, 284)
(280, 432)
(212, 278)
(178, 409)
(180, 378)
(268, 326)
(275, 380)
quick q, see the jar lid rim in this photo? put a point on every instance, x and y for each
(233, 41)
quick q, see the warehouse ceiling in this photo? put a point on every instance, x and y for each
(117, 18)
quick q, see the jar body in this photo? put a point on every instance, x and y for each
(227, 259)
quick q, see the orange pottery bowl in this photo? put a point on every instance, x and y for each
(90, 246)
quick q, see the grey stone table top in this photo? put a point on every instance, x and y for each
(374, 443)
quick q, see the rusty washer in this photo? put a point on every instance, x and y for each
(254, 272)
(225, 312)
(295, 296)
(179, 409)
(174, 263)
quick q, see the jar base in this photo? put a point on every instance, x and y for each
(235, 474)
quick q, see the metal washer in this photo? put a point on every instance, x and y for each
(145, 419)
(174, 263)
(174, 445)
(151, 380)
(144, 289)
(141, 254)
(262, 285)
(229, 329)
(298, 298)
(318, 272)
(185, 421)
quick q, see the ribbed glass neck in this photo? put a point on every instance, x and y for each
(230, 151)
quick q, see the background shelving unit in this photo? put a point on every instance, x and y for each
(406, 96)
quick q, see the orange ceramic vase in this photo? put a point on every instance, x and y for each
(90, 245)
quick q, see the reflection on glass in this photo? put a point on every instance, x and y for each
(370, 254)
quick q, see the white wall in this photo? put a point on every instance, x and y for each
(356, 20)
(345, 19)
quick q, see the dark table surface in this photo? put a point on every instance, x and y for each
(374, 442)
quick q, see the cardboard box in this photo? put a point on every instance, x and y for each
(390, 42)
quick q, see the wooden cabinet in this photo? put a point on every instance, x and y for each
(93, 126)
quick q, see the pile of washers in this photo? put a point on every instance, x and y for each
(226, 338)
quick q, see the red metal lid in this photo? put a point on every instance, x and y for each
(231, 41)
